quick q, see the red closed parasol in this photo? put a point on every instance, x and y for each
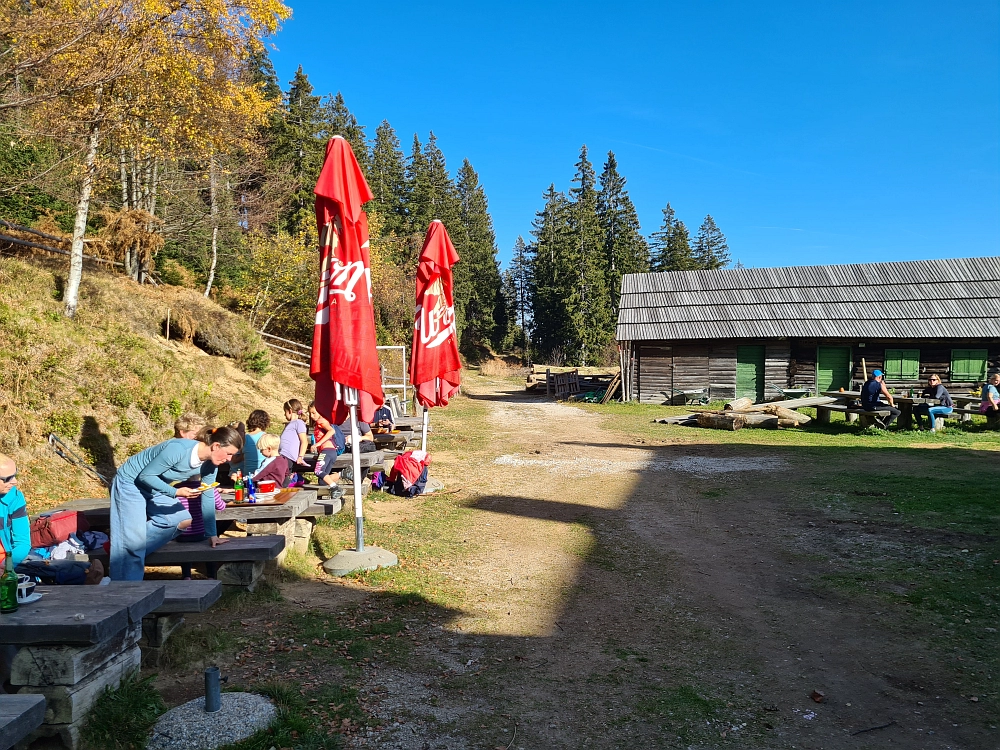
(344, 351)
(435, 369)
(344, 358)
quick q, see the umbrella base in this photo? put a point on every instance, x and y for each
(350, 560)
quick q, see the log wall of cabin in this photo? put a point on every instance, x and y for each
(664, 367)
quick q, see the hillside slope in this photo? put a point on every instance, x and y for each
(109, 382)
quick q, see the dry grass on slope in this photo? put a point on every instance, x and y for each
(109, 382)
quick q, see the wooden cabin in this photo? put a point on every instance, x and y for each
(759, 332)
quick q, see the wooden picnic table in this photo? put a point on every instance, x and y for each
(904, 403)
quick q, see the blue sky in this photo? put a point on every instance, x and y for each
(813, 133)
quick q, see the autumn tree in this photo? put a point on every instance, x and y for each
(176, 80)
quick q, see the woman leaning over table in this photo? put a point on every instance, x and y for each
(937, 391)
(145, 512)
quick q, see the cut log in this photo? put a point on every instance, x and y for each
(782, 413)
(788, 423)
(760, 420)
(739, 404)
(722, 421)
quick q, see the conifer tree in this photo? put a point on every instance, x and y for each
(552, 277)
(710, 248)
(589, 304)
(520, 269)
(477, 277)
(672, 245)
(625, 248)
(387, 179)
(340, 121)
(298, 143)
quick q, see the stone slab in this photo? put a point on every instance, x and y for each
(189, 596)
(350, 560)
(240, 549)
(81, 615)
(42, 666)
(188, 727)
(67, 704)
(19, 716)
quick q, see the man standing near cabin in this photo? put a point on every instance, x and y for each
(871, 392)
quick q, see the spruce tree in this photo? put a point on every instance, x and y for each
(298, 145)
(387, 179)
(552, 278)
(477, 277)
(589, 304)
(520, 269)
(672, 245)
(710, 248)
(625, 248)
(340, 121)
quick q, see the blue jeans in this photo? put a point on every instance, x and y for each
(140, 526)
(931, 412)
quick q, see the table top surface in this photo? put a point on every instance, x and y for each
(81, 615)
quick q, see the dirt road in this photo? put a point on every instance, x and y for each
(621, 594)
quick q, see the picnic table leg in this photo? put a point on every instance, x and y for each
(851, 418)
(823, 415)
(905, 415)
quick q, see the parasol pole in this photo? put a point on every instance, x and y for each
(423, 433)
(359, 519)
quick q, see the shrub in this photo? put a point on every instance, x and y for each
(126, 427)
(120, 396)
(175, 408)
(258, 362)
(64, 423)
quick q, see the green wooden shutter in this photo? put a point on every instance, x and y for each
(968, 365)
(750, 372)
(902, 364)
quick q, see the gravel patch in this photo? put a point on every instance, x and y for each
(188, 727)
(583, 466)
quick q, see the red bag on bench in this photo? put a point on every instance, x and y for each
(47, 531)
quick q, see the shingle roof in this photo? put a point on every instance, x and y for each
(956, 298)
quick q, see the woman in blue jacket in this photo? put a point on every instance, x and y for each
(145, 513)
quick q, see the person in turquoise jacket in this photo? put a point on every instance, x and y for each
(15, 528)
(145, 512)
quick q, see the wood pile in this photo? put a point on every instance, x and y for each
(743, 412)
(556, 380)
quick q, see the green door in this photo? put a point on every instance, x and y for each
(833, 368)
(750, 372)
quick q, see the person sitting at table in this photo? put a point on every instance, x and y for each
(936, 391)
(273, 466)
(330, 443)
(367, 443)
(188, 425)
(15, 533)
(991, 395)
(382, 421)
(873, 388)
(257, 424)
(295, 436)
(145, 512)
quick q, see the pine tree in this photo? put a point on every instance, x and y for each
(387, 179)
(298, 144)
(672, 245)
(625, 248)
(520, 269)
(589, 304)
(552, 277)
(477, 277)
(340, 121)
(710, 248)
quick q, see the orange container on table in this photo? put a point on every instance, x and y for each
(268, 486)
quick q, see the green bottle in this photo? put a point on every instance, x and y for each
(8, 585)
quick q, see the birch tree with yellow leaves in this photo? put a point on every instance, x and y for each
(131, 82)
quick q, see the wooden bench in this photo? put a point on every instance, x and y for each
(179, 598)
(966, 413)
(851, 414)
(20, 715)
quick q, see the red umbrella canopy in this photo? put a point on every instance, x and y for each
(435, 366)
(343, 352)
